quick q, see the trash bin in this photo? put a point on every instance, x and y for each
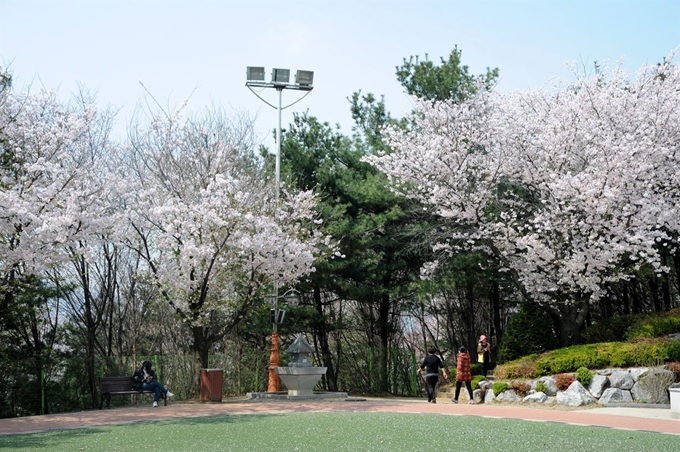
(211, 385)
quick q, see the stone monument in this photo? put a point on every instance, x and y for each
(300, 377)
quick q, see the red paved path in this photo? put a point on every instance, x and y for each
(242, 406)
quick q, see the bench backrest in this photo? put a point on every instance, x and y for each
(114, 384)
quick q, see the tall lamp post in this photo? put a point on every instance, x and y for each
(280, 80)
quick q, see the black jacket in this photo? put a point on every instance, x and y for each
(139, 378)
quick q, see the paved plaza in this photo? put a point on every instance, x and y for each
(626, 418)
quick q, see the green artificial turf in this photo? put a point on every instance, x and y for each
(342, 431)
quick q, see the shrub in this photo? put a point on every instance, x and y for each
(584, 375)
(609, 330)
(648, 352)
(476, 380)
(529, 331)
(499, 387)
(542, 387)
(563, 381)
(655, 325)
(569, 359)
(673, 350)
(522, 369)
(674, 366)
(521, 388)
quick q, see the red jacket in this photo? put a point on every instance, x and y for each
(463, 368)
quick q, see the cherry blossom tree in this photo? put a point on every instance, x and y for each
(51, 183)
(54, 194)
(570, 188)
(203, 217)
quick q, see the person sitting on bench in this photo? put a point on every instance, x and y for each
(145, 380)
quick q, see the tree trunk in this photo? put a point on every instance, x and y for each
(635, 295)
(569, 320)
(497, 332)
(201, 353)
(676, 262)
(322, 334)
(384, 331)
(654, 288)
(470, 316)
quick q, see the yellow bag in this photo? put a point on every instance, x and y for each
(480, 358)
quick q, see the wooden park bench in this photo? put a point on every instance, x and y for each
(120, 386)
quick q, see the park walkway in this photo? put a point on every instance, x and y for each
(639, 419)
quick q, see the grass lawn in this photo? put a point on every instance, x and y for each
(342, 432)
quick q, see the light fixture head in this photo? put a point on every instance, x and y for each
(304, 77)
(270, 299)
(280, 75)
(255, 73)
(292, 298)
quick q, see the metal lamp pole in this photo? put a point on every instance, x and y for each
(255, 79)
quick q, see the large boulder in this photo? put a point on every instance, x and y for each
(575, 395)
(615, 395)
(597, 385)
(478, 395)
(550, 384)
(638, 372)
(642, 394)
(653, 387)
(621, 379)
(489, 396)
(508, 396)
(536, 397)
(484, 385)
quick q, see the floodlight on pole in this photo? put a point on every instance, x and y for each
(280, 75)
(255, 73)
(280, 80)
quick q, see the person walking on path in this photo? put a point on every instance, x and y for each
(463, 374)
(432, 363)
(145, 380)
(484, 354)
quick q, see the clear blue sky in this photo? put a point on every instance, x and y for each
(181, 47)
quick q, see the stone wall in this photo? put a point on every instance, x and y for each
(634, 385)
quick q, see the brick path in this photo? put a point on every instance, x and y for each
(653, 420)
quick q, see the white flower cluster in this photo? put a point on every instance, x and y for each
(569, 187)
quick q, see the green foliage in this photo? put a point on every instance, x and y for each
(450, 80)
(584, 375)
(655, 325)
(569, 359)
(529, 331)
(499, 387)
(673, 350)
(476, 369)
(542, 387)
(609, 330)
(368, 221)
(476, 380)
(628, 327)
(642, 352)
